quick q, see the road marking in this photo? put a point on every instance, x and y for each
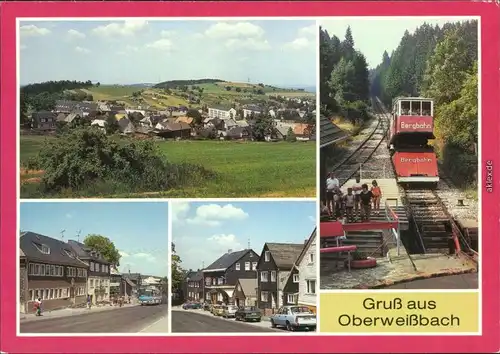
(152, 324)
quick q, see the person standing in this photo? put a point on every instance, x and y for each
(356, 189)
(89, 301)
(377, 195)
(332, 184)
(349, 205)
(366, 202)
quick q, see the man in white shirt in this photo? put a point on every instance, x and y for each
(357, 189)
(332, 185)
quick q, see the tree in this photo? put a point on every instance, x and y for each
(238, 89)
(196, 115)
(263, 127)
(111, 124)
(290, 136)
(104, 246)
(177, 274)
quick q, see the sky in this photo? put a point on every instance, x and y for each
(202, 232)
(138, 230)
(276, 52)
(373, 35)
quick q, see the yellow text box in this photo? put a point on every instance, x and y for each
(399, 312)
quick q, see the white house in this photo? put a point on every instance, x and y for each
(99, 123)
(306, 264)
(221, 112)
(128, 110)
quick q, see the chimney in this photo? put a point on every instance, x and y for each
(229, 250)
(305, 241)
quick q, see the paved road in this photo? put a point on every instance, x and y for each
(461, 281)
(187, 321)
(121, 320)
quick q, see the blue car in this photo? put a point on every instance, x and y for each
(145, 300)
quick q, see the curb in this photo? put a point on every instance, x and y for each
(424, 276)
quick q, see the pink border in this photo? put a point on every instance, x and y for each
(488, 342)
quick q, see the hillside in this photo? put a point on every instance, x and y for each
(192, 93)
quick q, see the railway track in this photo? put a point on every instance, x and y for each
(350, 165)
(436, 229)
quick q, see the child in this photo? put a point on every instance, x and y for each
(349, 200)
(377, 195)
(338, 204)
(356, 188)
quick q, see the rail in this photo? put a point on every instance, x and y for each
(392, 216)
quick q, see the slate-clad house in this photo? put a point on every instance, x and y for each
(245, 292)
(98, 274)
(194, 286)
(306, 265)
(276, 261)
(135, 279)
(23, 280)
(44, 120)
(220, 277)
(54, 273)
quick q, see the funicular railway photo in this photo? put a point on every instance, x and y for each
(414, 236)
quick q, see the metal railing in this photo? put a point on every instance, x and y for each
(392, 216)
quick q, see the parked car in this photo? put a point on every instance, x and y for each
(196, 305)
(229, 311)
(248, 313)
(217, 310)
(191, 306)
(294, 317)
(207, 306)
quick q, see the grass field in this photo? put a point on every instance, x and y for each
(245, 169)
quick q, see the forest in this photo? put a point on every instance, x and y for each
(439, 63)
(344, 78)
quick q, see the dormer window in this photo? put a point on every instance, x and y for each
(69, 254)
(267, 256)
(42, 248)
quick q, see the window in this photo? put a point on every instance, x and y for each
(91, 283)
(31, 269)
(32, 295)
(264, 296)
(60, 293)
(247, 266)
(237, 266)
(207, 281)
(295, 278)
(43, 248)
(311, 286)
(37, 269)
(267, 256)
(311, 258)
(254, 265)
(42, 269)
(290, 298)
(46, 294)
(207, 296)
(273, 276)
(220, 281)
(264, 277)
(52, 270)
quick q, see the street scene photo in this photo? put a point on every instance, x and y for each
(160, 122)
(399, 153)
(92, 267)
(244, 267)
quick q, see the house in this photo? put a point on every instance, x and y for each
(23, 280)
(220, 277)
(126, 126)
(130, 111)
(65, 106)
(306, 266)
(44, 120)
(72, 118)
(245, 292)
(221, 112)
(228, 124)
(239, 133)
(98, 280)
(251, 109)
(135, 279)
(99, 124)
(185, 119)
(151, 283)
(302, 131)
(115, 282)
(194, 286)
(274, 266)
(54, 273)
(166, 130)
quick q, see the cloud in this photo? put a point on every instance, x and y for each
(226, 241)
(74, 34)
(248, 44)
(166, 33)
(213, 214)
(312, 218)
(145, 256)
(69, 216)
(123, 254)
(82, 50)
(179, 210)
(311, 30)
(306, 38)
(234, 30)
(128, 49)
(163, 44)
(121, 29)
(33, 31)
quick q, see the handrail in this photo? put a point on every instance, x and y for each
(389, 213)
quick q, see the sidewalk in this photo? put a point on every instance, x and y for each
(69, 312)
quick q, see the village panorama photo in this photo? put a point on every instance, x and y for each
(186, 108)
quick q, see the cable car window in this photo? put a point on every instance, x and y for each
(405, 108)
(426, 108)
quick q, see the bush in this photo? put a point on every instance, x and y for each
(86, 158)
(461, 166)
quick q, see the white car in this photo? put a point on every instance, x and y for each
(294, 317)
(229, 311)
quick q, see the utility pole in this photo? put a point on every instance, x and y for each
(62, 235)
(78, 235)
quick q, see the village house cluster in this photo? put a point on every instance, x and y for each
(215, 122)
(63, 274)
(283, 274)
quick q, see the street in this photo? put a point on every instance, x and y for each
(184, 321)
(145, 319)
